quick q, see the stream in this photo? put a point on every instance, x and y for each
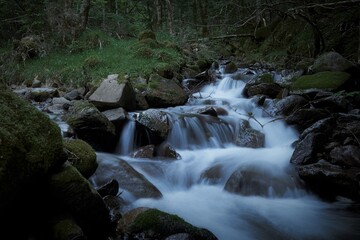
(271, 204)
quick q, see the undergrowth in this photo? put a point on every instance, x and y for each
(93, 57)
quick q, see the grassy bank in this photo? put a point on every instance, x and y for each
(93, 57)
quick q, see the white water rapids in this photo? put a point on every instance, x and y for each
(193, 186)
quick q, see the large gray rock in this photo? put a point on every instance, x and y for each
(255, 181)
(331, 61)
(290, 104)
(112, 94)
(248, 137)
(156, 121)
(327, 157)
(127, 177)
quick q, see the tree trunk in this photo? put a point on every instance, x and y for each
(203, 5)
(170, 10)
(84, 14)
(158, 21)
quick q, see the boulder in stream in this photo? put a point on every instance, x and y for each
(128, 178)
(90, 125)
(164, 92)
(112, 94)
(156, 121)
(155, 224)
(30, 146)
(327, 157)
(248, 137)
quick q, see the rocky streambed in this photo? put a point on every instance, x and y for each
(245, 152)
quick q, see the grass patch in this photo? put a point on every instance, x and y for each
(321, 80)
(91, 66)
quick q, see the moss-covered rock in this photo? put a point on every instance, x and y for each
(65, 227)
(164, 92)
(30, 145)
(230, 68)
(90, 125)
(322, 80)
(72, 193)
(155, 224)
(81, 155)
(331, 61)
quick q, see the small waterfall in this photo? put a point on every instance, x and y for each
(127, 141)
(196, 131)
(235, 192)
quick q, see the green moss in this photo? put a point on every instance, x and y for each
(82, 156)
(230, 68)
(321, 80)
(160, 225)
(30, 143)
(265, 78)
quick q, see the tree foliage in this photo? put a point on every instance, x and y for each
(65, 20)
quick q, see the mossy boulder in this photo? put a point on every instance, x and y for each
(72, 193)
(331, 61)
(30, 145)
(90, 125)
(155, 224)
(230, 68)
(81, 155)
(164, 92)
(65, 227)
(322, 80)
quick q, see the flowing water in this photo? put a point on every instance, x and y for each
(271, 203)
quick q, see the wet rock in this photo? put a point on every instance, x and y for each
(346, 156)
(42, 94)
(111, 188)
(248, 137)
(144, 152)
(112, 94)
(166, 151)
(73, 95)
(90, 125)
(164, 92)
(304, 118)
(156, 121)
(115, 204)
(326, 164)
(269, 89)
(254, 181)
(212, 175)
(141, 102)
(118, 117)
(290, 104)
(81, 155)
(127, 177)
(330, 181)
(36, 83)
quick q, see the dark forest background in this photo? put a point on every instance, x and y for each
(280, 32)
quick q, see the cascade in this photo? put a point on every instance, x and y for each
(235, 191)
